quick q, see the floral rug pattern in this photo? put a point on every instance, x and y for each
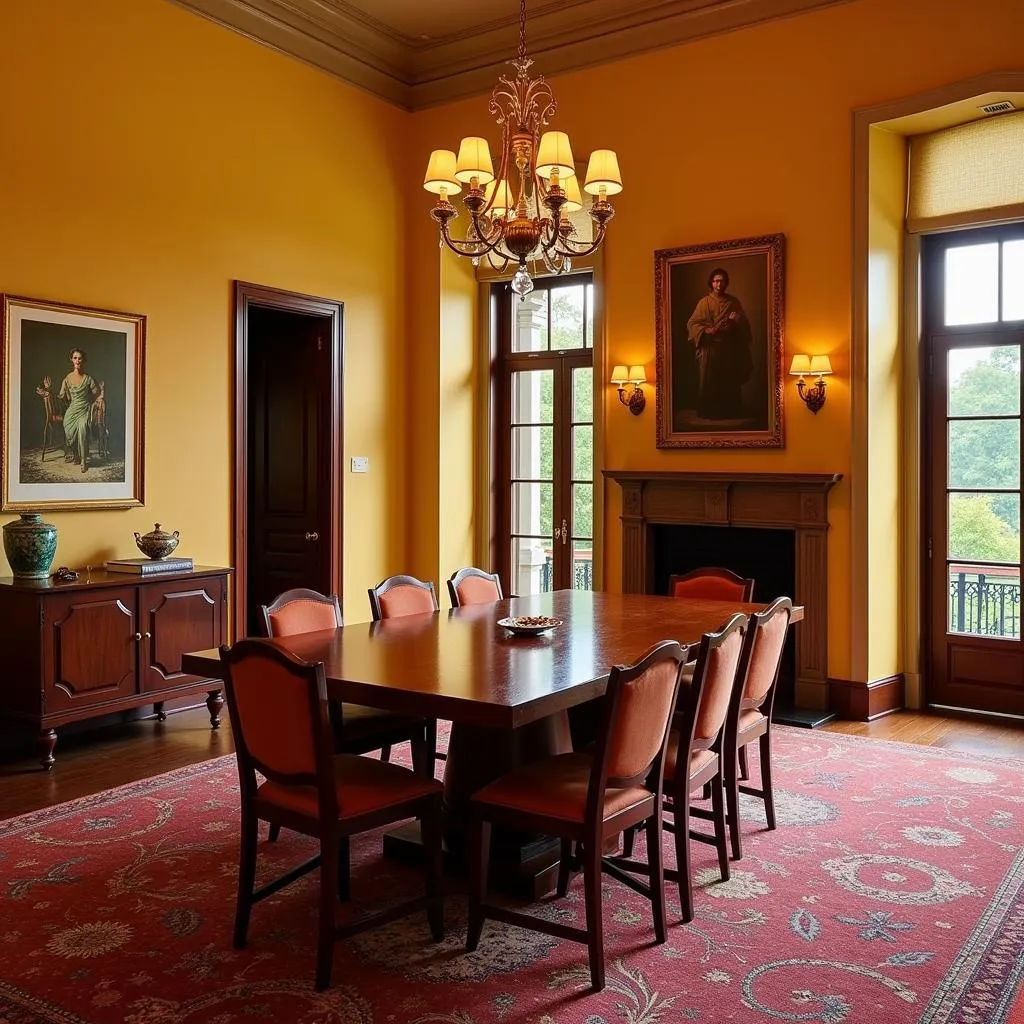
(892, 890)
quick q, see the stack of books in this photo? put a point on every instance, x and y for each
(149, 566)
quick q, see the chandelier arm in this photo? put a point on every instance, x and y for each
(567, 247)
(480, 247)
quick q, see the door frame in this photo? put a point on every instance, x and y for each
(246, 297)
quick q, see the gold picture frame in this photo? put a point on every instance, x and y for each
(73, 406)
(719, 370)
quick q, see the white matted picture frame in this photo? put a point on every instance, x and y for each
(73, 406)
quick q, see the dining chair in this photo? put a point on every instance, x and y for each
(587, 798)
(751, 716)
(695, 760)
(712, 584)
(281, 729)
(473, 586)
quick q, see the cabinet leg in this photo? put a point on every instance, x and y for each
(47, 742)
(158, 708)
(215, 704)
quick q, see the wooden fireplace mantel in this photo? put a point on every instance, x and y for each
(795, 501)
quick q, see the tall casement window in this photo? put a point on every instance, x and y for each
(973, 290)
(544, 435)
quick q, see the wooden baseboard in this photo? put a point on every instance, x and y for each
(866, 701)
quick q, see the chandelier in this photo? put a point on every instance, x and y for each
(521, 214)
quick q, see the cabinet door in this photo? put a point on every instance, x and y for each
(90, 648)
(177, 617)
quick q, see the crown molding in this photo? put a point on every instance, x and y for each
(413, 73)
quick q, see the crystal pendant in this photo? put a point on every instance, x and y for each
(566, 265)
(522, 283)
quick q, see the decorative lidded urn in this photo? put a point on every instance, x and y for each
(157, 544)
(30, 545)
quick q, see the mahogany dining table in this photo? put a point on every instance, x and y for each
(507, 697)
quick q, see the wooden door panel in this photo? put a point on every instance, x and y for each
(177, 618)
(91, 649)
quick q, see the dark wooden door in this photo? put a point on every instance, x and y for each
(290, 458)
(974, 329)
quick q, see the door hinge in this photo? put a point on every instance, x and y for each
(319, 344)
(929, 547)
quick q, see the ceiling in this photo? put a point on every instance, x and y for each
(419, 53)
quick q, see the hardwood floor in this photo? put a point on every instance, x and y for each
(109, 757)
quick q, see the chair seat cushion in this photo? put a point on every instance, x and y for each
(556, 787)
(751, 719)
(363, 784)
(698, 760)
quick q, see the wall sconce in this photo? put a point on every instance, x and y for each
(803, 366)
(635, 401)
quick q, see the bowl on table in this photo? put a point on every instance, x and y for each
(529, 625)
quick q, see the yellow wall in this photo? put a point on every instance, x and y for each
(151, 158)
(744, 134)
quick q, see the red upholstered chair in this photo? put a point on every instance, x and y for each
(281, 729)
(751, 716)
(711, 584)
(588, 798)
(474, 586)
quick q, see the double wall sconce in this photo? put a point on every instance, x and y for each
(634, 400)
(811, 366)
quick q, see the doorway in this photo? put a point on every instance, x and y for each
(288, 444)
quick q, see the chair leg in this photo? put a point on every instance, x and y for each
(628, 838)
(765, 747)
(246, 878)
(732, 800)
(592, 893)
(655, 861)
(329, 867)
(564, 867)
(744, 766)
(681, 813)
(479, 857)
(424, 749)
(275, 831)
(344, 870)
(430, 824)
(385, 752)
(721, 840)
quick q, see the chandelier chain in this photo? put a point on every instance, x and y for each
(522, 29)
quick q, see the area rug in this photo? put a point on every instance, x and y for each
(892, 891)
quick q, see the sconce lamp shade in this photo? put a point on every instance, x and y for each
(603, 172)
(474, 161)
(555, 154)
(821, 365)
(637, 375)
(441, 173)
(573, 199)
(619, 375)
(503, 201)
(801, 365)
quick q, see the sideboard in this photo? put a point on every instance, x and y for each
(106, 642)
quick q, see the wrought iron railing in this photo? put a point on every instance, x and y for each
(984, 605)
(582, 574)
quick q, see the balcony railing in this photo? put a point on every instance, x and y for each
(985, 604)
(582, 572)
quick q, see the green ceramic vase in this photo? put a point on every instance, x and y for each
(30, 545)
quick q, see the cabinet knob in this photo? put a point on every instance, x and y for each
(147, 635)
(313, 535)
(138, 636)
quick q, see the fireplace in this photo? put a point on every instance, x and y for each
(771, 526)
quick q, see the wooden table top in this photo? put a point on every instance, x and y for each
(461, 665)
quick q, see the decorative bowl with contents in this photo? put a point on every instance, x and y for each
(529, 625)
(157, 544)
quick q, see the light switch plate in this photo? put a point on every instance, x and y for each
(360, 464)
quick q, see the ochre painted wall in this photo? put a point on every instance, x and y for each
(150, 159)
(745, 134)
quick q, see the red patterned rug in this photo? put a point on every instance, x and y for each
(892, 891)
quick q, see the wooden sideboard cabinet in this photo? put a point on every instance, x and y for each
(106, 642)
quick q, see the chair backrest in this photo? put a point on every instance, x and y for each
(401, 595)
(300, 611)
(474, 586)
(279, 718)
(635, 718)
(762, 655)
(711, 584)
(718, 661)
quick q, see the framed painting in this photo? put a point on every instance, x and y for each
(73, 401)
(719, 320)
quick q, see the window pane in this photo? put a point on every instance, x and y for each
(984, 527)
(530, 323)
(532, 392)
(582, 565)
(972, 284)
(583, 510)
(567, 317)
(583, 453)
(984, 381)
(984, 453)
(531, 567)
(532, 453)
(583, 395)
(589, 340)
(985, 600)
(1013, 280)
(531, 510)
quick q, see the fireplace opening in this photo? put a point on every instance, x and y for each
(768, 556)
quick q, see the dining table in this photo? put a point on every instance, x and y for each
(507, 696)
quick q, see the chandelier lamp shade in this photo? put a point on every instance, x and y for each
(519, 213)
